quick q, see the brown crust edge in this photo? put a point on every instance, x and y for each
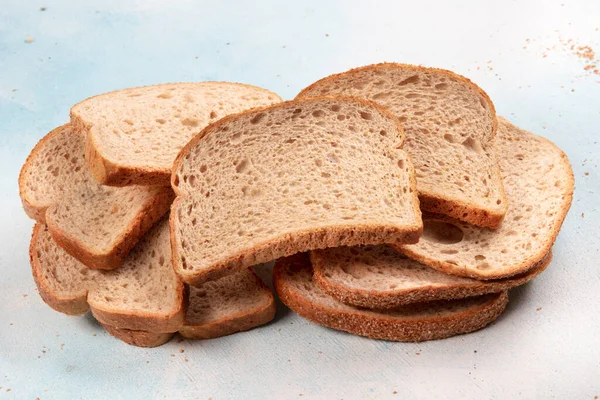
(234, 323)
(393, 298)
(323, 237)
(136, 337)
(526, 264)
(152, 211)
(111, 174)
(457, 209)
(382, 327)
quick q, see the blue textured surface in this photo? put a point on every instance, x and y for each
(547, 344)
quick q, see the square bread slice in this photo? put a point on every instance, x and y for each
(294, 283)
(380, 277)
(144, 294)
(97, 224)
(133, 135)
(144, 303)
(234, 303)
(292, 177)
(450, 124)
(539, 184)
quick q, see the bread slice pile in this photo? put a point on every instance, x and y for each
(397, 204)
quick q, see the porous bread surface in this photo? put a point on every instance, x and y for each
(381, 277)
(539, 184)
(233, 303)
(450, 124)
(135, 134)
(293, 280)
(292, 177)
(95, 223)
(143, 294)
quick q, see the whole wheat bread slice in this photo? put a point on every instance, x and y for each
(143, 303)
(539, 184)
(293, 280)
(234, 303)
(96, 224)
(133, 135)
(292, 177)
(144, 294)
(450, 124)
(380, 277)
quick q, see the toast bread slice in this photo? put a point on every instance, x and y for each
(450, 124)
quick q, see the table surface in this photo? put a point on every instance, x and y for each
(546, 345)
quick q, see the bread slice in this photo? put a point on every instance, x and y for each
(539, 184)
(143, 303)
(450, 124)
(138, 338)
(380, 277)
(96, 224)
(234, 303)
(292, 177)
(133, 135)
(144, 294)
(293, 280)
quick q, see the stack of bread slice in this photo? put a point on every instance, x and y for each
(397, 204)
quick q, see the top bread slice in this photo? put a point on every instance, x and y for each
(296, 176)
(294, 283)
(96, 224)
(144, 294)
(134, 135)
(450, 124)
(143, 302)
(380, 277)
(539, 183)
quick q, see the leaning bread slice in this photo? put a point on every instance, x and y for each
(292, 177)
(539, 184)
(133, 135)
(144, 294)
(96, 224)
(381, 277)
(450, 124)
(293, 280)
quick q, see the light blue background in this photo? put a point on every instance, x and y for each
(83, 48)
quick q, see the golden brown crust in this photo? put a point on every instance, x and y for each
(152, 211)
(394, 298)
(458, 209)
(240, 322)
(110, 173)
(298, 241)
(70, 305)
(383, 326)
(138, 338)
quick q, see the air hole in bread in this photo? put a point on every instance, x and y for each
(161, 121)
(479, 257)
(241, 166)
(441, 86)
(409, 80)
(163, 96)
(441, 232)
(366, 115)
(257, 118)
(401, 163)
(449, 251)
(213, 115)
(473, 145)
(335, 108)
(318, 113)
(190, 122)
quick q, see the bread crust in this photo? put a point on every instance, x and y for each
(393, 298)
(431, 202)
(110, 173)
(138, 338)
(301, 240)
(233, 323)
(382, 326)
(152, 211)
